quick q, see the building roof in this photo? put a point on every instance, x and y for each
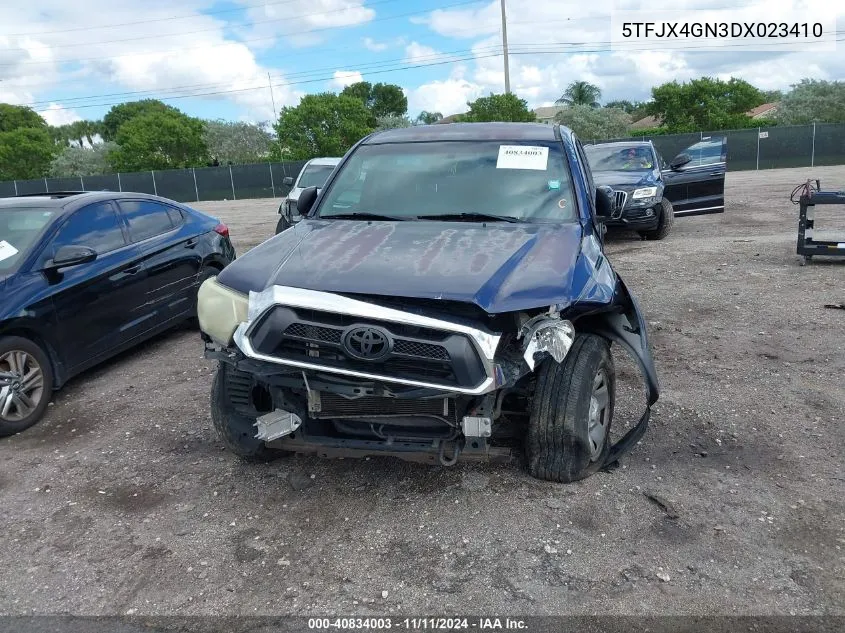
(755, 113)
(451, 118)
(762, 110)
(467, 132)
(547, 112)
(645, 122)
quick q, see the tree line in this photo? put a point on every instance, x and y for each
(704, 104)
(149, 134)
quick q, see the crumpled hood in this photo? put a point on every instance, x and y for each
(500, 267)
(625, 179)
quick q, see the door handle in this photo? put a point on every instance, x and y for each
(191, 243)
(716, 173)
(132, 270)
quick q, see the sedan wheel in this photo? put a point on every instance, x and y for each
(25, 384)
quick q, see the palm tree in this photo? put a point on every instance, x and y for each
(580, 93)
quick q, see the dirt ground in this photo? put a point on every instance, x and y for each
(122, 500)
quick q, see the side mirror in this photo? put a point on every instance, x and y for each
(306, 200)
(71, 256)
(287, 181)
(679, 161)
(605, 203)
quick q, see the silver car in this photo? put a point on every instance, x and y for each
(314, 174)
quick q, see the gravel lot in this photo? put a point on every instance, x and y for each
(122, 500)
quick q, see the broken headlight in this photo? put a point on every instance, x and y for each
(220, 310)
(549, 334)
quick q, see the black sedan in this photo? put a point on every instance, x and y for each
(84, 276)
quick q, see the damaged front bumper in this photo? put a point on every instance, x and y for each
(547, 334)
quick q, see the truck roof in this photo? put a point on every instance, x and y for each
(469, 132)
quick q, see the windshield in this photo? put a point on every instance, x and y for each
(315, 176)
(19, 231)
(614, 158)
(410, 180)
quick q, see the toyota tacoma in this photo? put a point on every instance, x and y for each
(445, 297)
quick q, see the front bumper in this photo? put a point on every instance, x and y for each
(638, 218)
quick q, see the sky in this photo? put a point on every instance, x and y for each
(73, 60)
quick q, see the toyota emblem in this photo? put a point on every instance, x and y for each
(367, 343)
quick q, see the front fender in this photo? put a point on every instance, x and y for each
(625, 324)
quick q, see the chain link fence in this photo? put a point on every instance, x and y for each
(754, 148)
(764, 148)
(233, 182)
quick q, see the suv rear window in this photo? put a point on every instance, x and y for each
(529, 181)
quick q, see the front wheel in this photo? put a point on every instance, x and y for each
(26, 384)
(569, 428)
(664, 223)
(236, 431)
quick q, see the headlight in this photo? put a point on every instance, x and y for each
(220, 310)
(645, 192)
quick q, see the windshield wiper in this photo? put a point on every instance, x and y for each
(361, 215)
(470, 217)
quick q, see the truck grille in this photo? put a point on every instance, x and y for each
(415, 353)
(333, 406)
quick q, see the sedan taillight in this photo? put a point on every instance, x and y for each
(222, 229)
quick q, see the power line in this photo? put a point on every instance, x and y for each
(398, 68)
(304, 73)
(526, 49)
(232, 42)
(288, 83)
(289, 18)
(176, 17)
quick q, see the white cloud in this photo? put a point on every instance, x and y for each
(303, 22)
(158, 57)
(371, 45)
(447, 97)
(57, 115)
(343, 78)
(416, 53)
(550, 51)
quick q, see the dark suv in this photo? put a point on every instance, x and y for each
(650, 193)
(446, 296)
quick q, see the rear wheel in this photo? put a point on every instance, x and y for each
(569, 428)
(26, 384)
(664, 224)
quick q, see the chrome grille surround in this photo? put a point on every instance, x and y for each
(484, 342)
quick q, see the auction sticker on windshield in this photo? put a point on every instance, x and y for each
(522, 157)
(7, 250)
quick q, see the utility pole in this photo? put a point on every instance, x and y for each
(505, 49)
(275, 119)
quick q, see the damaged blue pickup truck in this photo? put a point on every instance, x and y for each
(446, 297)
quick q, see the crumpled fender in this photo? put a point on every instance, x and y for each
(624, 324)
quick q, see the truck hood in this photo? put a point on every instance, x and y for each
(500, 267)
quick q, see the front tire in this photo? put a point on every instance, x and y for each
(664, 224)
(572, 410)
(283, 225)
(236, 431)
(26, 384)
